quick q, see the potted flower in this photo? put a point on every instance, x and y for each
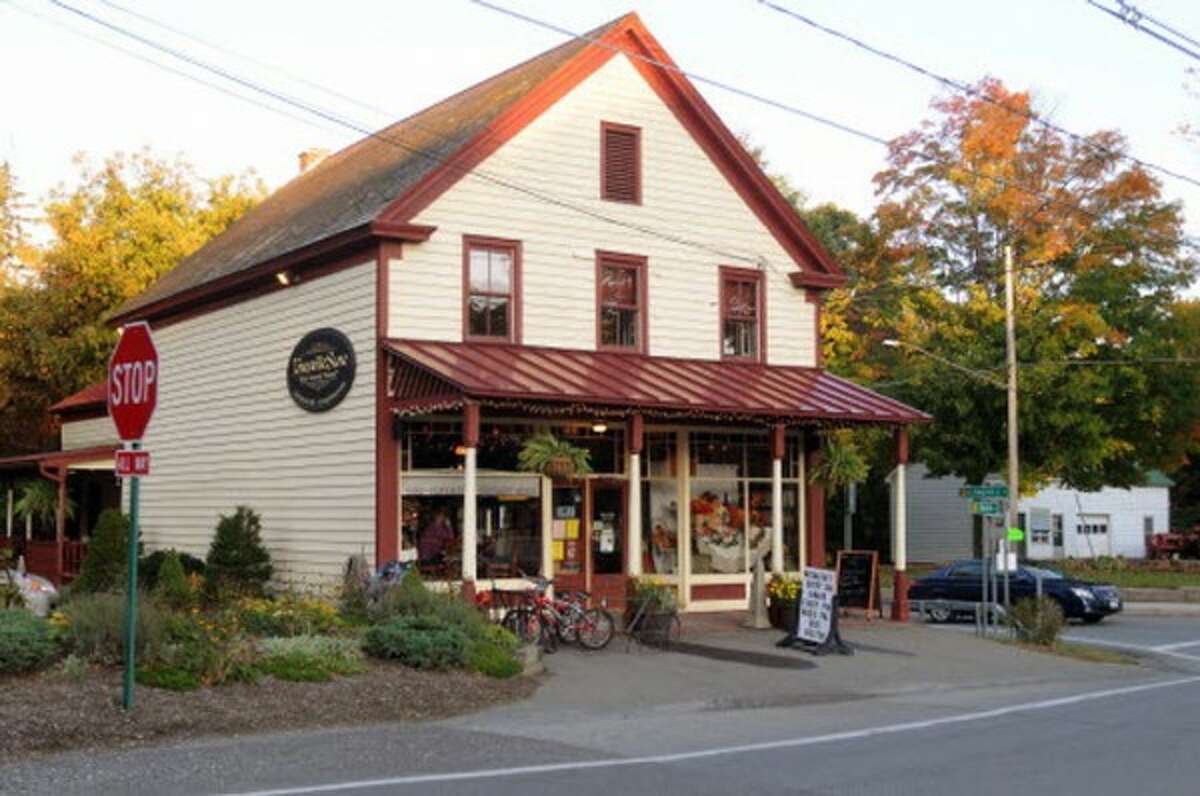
(556, 458)
(783, 599)
(650, 610)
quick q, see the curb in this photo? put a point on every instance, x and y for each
(1161, 609)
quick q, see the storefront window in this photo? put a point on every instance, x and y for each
(791, 527)
(718, 527)
(566, 539)
(660, 523)
(509, 533)
(606, 450)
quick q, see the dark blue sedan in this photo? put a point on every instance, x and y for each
(953, 590)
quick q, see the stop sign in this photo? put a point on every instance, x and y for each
(133, 381)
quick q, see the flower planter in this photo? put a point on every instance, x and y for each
(783, 613)
(559, 468)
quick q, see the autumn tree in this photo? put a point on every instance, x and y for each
(126, 222)
(1100, 259)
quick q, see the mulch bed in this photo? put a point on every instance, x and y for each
(53, 712)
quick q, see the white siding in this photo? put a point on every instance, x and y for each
(77, 434)
(559, 154)
(1125, 509)
(940, 525)
(226, 432)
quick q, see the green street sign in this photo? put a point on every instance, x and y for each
(985, 491)
(1016, 535)
(987, 507)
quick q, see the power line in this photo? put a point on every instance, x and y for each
(1132, 16)
(1183, 241)
(970, 90)
(327, 115)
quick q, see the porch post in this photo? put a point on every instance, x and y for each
(900, 525)
(60, 523)
(8, 514)
(814, 502)
(636, 437)
(470, 502)
(778, 449)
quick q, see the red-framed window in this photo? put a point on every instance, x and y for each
(491, 289)
(743, 315)
(621, 311)
(620, 163)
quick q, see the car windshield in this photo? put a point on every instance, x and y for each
(1046, 574)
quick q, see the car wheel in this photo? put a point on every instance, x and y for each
(1092, 620)
(939, 614)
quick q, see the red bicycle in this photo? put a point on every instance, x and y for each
(563, 618)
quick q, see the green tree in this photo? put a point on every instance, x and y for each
(125, 223)
(237, 561)
(105, 565)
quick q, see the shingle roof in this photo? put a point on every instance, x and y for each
(348, 189)
(94, 396)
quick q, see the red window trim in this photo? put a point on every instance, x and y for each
(515, 315)
(639, 264)
(726, 274)
(637, 154)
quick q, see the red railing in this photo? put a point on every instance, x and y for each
(41, 558)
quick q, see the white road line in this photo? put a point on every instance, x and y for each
(787, 743)
(1166, 649)
(1180, 645)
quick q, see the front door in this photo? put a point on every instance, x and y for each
(606, 541)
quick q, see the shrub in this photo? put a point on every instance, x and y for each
(1038, 621)
(237, 562)
(287, 615)
(150, 567)
(93, 627)
(25, 642)
(422, 642)
(172, 678)
(494, 661)
(107, 559)
(173, 589)
(410, 598)
(310, 658)
(210, 647)
(355, 581)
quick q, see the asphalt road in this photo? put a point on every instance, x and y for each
(1177, 637)
(915, 710)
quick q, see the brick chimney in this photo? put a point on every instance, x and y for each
(309, 158)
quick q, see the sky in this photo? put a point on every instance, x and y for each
(62, 94)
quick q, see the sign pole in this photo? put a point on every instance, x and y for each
(131, 607)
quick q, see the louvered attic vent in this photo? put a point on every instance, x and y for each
(620, 163)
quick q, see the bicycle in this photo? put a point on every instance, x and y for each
(564, 618)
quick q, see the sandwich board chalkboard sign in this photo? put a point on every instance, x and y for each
(858, 580)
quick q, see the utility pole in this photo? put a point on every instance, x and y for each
(1014, 473)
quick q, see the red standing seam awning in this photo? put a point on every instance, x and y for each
(436, 375)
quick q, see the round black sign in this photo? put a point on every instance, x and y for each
(320, 370)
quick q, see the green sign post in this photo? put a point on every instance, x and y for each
(987, 507)
(984, 491)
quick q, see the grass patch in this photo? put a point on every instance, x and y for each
(1137, 579)
(1079, 652)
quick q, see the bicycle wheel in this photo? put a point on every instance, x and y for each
(595, 629)
(523, 623)
(549, 636)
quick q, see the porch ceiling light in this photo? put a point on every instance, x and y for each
(599, 427)
(286, 278)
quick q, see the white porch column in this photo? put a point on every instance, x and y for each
(778, 449)
(635, 436)
(470, 529)
(802, 471)
(900, 535)
(8, 514)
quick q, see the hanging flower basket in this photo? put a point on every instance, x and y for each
(559, 468)
(556, 458)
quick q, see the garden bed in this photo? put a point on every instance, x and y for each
(55, 712)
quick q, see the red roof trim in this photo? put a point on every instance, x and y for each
(668, 384)
(59, 458)
(89, 399)
(706, 128)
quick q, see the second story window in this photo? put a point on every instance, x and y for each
(492, 288)
(620, 301)
(742, 321)
(620, 163)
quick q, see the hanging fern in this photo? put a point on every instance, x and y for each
(842, 462)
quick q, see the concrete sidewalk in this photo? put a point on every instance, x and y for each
(1163, 609)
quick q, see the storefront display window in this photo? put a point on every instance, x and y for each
(566, 539)
(606, 449)
(718, 528)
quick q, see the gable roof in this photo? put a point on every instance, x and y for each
(377, 185)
